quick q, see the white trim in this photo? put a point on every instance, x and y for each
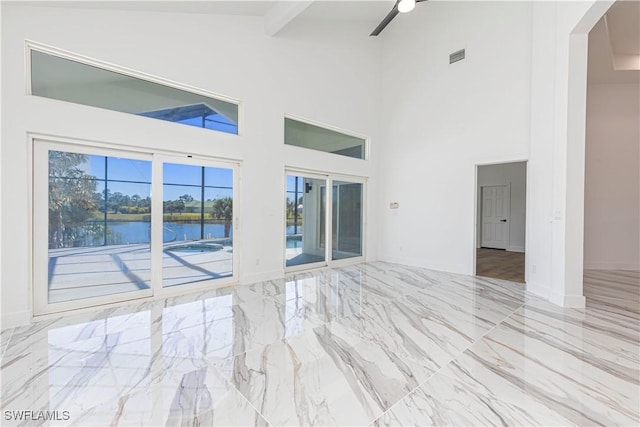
(15, 319)
(31, 45)
(38, 189)
(539, 289)
(80, 142)
(39, 252)
(594, 265)
(311, 175)
(329, 178)
(568, 301)
(366, 138)
(477, 242)
(421, 263)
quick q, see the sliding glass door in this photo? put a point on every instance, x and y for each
(197, 223)
(310, 207)
(305, 220)
(99, 236)
(346, 227)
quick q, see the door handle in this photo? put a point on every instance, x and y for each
(503, 220)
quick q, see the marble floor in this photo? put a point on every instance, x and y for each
(370, 344)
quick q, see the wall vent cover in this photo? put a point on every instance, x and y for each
(456, 56)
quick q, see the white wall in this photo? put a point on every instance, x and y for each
(520, 94)
(326, 74)
(555, 172)
(505, 174)
(612, 177)
(441, 120)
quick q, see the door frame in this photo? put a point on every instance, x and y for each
(156, 215)
(311, 175)
(477, 194)
(39, 147)
(329, 178)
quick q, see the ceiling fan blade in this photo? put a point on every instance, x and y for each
(381, 26)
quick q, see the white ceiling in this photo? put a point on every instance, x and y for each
(614, 39)
(237, 7)
(345, 10)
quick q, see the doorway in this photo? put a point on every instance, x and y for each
(612, 161)
(501, 221)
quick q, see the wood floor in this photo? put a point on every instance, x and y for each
(500, 264)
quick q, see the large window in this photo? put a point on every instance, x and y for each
(99, 225)
(306, 135)
(107, 239)
(70, 80)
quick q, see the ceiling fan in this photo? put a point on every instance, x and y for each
(401, 6)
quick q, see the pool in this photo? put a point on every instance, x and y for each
(194, 247)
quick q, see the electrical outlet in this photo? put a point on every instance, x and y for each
(394, 205)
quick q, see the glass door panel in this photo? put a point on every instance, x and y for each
(99, 210)
(305, 220)
(346, 228)
(197, 223)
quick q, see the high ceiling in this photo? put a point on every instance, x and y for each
(614, 43)
(276, 14)
(369, 11)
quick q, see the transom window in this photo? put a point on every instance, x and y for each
(307, 135)
(70, 80)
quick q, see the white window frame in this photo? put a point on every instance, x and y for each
(39, 149)
(31, 45)
(367, 139)
(329, 178)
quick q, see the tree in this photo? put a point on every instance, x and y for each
(115, 200)
(223, 209)
(186, 198)
(71, 197)
(172, 206)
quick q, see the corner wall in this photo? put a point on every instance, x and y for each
(440, 120)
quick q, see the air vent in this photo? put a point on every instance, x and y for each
(456, 56)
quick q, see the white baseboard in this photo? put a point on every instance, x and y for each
(568, 301)
(15, 319)
(515, 249)
(250, 279)
(418, 262)
(592, 265)
(538, 289)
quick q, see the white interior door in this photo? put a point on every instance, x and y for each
(495, 217)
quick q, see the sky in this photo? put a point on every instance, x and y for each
(176, 177)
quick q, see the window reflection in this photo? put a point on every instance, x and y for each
(98, 363)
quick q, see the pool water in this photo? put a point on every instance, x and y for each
(194, 248)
